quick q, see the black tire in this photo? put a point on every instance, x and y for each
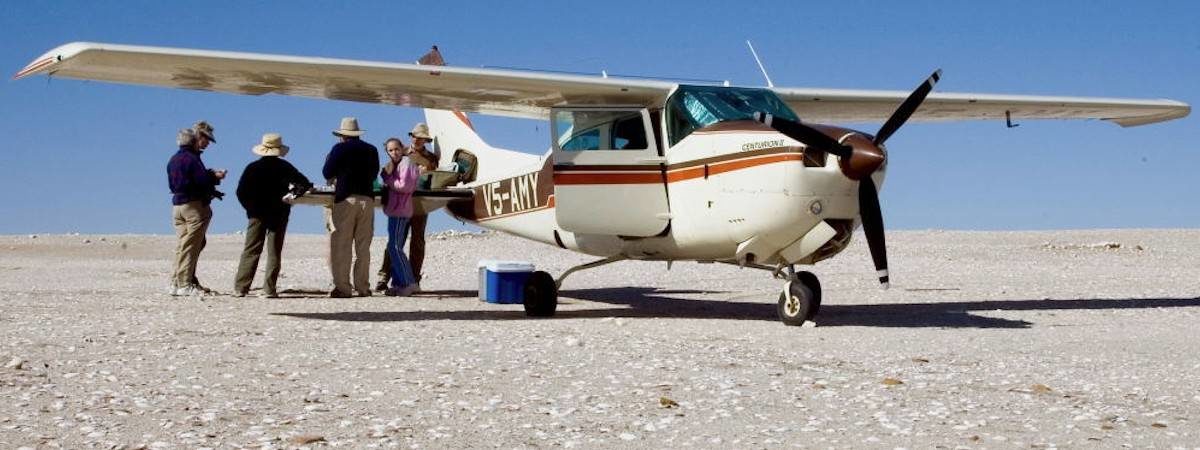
(541, 295)
(796, 308)
(814, 285)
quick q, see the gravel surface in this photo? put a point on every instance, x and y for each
(986, 340)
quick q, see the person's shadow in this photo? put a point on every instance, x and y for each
(643, 302)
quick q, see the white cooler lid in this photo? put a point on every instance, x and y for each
(494, 265)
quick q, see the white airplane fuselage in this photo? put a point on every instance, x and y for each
(738, 191)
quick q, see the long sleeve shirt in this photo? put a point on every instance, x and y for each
(188, 179)
(427, 160)
(263, 185)
(400, 183)
(354, 165)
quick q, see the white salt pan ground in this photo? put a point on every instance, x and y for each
(996, 340)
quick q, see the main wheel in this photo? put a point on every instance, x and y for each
(541, 295)
(814, 285)
(795, 303)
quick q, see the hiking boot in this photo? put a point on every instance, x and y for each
(381, 286)
(338, 294)
(203, 290)
(190, 290)
(362, 294)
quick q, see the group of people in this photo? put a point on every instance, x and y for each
(266, 189)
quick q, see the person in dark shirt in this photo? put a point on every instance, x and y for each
(351, 167)
(261, 189)
(193, 187)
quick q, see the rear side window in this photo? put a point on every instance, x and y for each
(600, 130)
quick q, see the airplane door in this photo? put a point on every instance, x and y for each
(608, 175)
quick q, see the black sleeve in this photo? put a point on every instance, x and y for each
(245, 188)
(375, 161)
(297, 179)
(333, 163)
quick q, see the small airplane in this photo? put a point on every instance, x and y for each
(638, 169)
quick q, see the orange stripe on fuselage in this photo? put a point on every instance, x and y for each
(549, 205)
(753, 162)
(681, 174)
(571, 178)
(685, 174)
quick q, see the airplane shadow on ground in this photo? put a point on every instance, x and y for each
(641, 302)
(310, 293)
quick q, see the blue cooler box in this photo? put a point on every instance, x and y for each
(503, 281)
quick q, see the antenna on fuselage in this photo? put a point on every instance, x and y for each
(760, 64)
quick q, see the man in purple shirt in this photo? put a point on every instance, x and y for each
(193, 187)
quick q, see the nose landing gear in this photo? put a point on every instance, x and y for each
(800, 299)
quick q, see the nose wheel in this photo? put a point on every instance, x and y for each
(800, 299)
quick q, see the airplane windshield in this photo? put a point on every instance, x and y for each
(695, 107)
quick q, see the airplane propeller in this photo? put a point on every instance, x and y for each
(907, 108)
(859, 162)
(810, 136)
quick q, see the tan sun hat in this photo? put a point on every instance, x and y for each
(420, 131)
(349, 128)
(272, 145)
(204, 129)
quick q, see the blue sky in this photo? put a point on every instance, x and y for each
(90, 157)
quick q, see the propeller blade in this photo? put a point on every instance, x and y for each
(872, 223)
(805, 134)
(907, 108)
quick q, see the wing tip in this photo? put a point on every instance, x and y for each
(35, 67)
(1177, 111)
(55, 55)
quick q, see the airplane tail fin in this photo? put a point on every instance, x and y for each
(453, 134)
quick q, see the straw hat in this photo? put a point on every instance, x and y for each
(349, 128)
(202, 128)
(272, 145)
(420, 131)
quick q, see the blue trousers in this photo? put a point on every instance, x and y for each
(402, 274)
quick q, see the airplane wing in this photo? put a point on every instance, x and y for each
(525, 93)
(486, 91)
(830, 105)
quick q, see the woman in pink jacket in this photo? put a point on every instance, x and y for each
(400, 180)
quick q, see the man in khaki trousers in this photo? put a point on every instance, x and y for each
(191, 222)
(352, 166)
(193, 187)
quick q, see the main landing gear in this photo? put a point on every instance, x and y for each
(541, 295)
(800, 299)
(541, 290)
